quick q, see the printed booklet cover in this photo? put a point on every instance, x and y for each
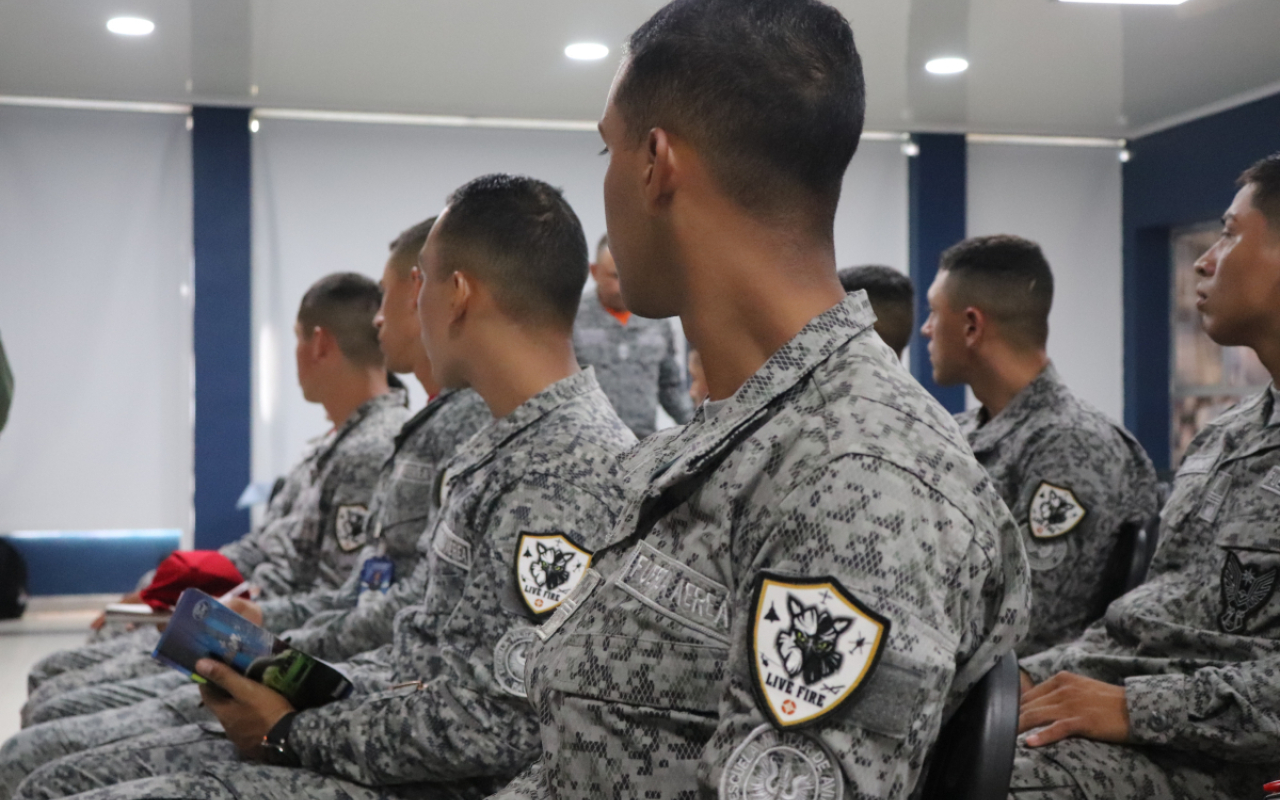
(202, 627)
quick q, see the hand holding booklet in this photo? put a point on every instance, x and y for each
(201, 627)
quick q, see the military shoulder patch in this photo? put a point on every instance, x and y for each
(1244, 591)
(350, 523)
(548, 567)
(812, 646)
(787, 764)
(509, 657)
(1054, 511)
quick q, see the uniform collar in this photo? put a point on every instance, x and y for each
(427, 412)
(395, 398)
(1273, 418)
(1042, 392)
(703, 439)
(491, 438)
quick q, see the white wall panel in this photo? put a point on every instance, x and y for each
(95, 268)
(1067, 199)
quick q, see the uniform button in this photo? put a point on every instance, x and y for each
(1159, 722)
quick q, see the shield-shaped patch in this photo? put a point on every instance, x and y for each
(350, 524)
(813, 645)
(1054, 511)
(548, 567)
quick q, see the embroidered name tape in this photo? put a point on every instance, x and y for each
(410, 471)
(450, 547)
(813, 645)
(1271, 481)
(1215, 496)
(548, 567)
(1054, 511)
(1198, 464)
(676, 590)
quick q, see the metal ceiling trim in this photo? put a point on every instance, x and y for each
(1045, 141)
(93, 105)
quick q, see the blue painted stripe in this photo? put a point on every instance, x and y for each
(90, 562)
(223, 350)
(1176, 177)
(937, 211)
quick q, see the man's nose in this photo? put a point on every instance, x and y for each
(1206, 264)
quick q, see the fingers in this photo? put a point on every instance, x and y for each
(98, 622)
(1046, 687)
(223, 676)
(1034, 715)
(1054, 733)
(1025, 681)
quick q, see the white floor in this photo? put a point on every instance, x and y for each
(50, 624)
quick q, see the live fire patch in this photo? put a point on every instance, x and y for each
(548, 567)
(1054, 511)
(350, 523)
(812, 645)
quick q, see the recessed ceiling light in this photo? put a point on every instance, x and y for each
(1130, 2)
(586, 51)
(130, 26)
(946, 66)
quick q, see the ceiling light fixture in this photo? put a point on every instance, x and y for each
(130, 26)
(949, 65)
(586, 51)
(1130, 2)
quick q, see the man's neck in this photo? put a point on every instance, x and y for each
(1000, 380)
(354, 393)
(513, 365)
(607, 307)
(422, 371)
(750, 291)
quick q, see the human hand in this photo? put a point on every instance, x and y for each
(246, 608)
(101, 619)
(1073, 705)
(1025, 681)
(247, 709)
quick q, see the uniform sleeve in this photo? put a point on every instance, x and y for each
(1078, 490)
(672, 392)
(291, 611)
(528, 785)
(1230, 713)
(462, 722)
(951, 590)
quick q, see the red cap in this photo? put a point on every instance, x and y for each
(207, 570)
(1274, 786)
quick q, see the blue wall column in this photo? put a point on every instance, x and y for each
(937, 204)
(1177, 177)
(223, 350)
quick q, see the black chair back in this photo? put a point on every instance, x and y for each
(973, 757)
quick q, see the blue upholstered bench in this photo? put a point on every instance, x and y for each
(91, 562)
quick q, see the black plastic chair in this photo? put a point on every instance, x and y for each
(973, 757)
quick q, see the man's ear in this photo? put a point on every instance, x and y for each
(322, 343)
(664, 170)
(975, 326)
(595, 271)
(464, 294)
(415, 280)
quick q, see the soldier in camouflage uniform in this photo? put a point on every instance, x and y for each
(1173, 694)
(315, 527)
(342, 622)
(521, 510)
(1074, 480)
(635, 358)
(809, 576)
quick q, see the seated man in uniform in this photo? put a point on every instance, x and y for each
(441, 710)
(339, 623)
(634, 358)
(812, 573)
(1075, 480)
(315, 524)
(892, 299)
(1173, 694)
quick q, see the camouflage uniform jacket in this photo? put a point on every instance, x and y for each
(1197, 646)
(353, 618)
(635, 363)
(801, 587)
(541, 479)
(332, 506)
(1073, 480)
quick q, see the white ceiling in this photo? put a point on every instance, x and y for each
(1038, 66)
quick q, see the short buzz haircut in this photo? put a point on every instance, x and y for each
(892, 298)
(1265, 177)
(1008, 278)
(406, 246)
(770, 92)
(526, 244)
(344, 305)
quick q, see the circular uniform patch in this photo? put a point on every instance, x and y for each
(509, 657)
(776, 764)
(812, 646)
(548, 567)
(350, 527)
(1054, 511)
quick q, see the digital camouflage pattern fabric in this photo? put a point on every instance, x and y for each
(636, 364)
(1073, 480)
(439, 709)
(1197, 647)
(347, 621)
(801, 586)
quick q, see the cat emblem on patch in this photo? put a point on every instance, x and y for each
(812, 646)
(350, 527)
(548, 567)
(1054, 511)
